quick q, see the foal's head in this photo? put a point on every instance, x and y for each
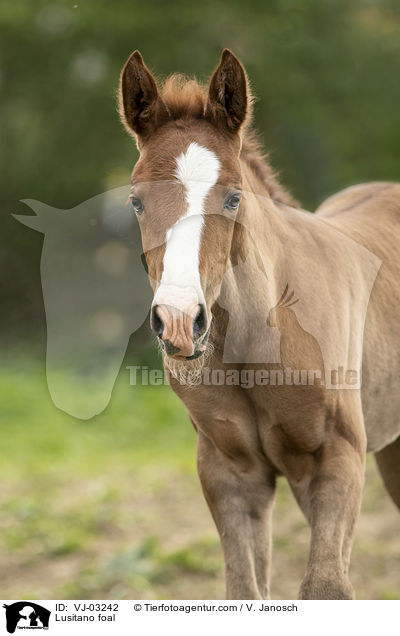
(186, 191)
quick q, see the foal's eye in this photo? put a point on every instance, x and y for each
(137, 205)
(232, 202)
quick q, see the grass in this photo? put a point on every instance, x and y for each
(112, 508)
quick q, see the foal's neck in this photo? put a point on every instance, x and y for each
(266, 247)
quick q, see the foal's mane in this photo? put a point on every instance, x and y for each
(186, 98)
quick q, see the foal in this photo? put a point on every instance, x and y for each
(222, 240)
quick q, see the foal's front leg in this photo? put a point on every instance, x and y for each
(239, 492)
(331, 501)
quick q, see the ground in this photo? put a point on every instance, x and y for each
(111, 508)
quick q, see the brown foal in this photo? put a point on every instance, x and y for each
(246, 283)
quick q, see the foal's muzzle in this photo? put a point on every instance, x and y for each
(183, 334)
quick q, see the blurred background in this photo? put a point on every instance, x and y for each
(111, 507)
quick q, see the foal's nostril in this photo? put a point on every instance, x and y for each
(156, 323)
(170, 349)
(199, 323)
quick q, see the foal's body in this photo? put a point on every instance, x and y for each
(370, 213)
(315, 436)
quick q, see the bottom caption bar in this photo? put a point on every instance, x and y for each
(129, 617)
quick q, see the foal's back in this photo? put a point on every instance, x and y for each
(370, 214)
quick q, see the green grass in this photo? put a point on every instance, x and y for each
(112, 507)
(140, 425)
(66, 483)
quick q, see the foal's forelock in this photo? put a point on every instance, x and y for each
(197, 170)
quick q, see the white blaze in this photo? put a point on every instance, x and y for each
(197, 169)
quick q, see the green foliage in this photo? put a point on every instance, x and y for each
(325, 75)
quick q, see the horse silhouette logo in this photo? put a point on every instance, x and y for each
(26, 615)
(96, 294)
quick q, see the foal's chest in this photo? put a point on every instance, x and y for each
(278, 423)
(291, 422)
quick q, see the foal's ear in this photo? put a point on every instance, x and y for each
(227, 102)
(141, 108)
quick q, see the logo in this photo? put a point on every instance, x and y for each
(26, 615)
